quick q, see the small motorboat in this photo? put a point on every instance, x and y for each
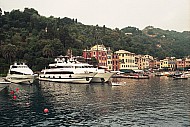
(183, 76)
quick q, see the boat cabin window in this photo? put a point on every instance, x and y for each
(61, 67)
(87, 66)
(19, 67)
(78, 66)
(62, 72)
(83, 66)
(14, 72)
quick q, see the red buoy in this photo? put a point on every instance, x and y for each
(46, 110)
(17, 89)
(12, 92)
(14, 97)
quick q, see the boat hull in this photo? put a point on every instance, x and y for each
(141, 77)
(68, 78)
(183, 76)
(20, 79)
(3, 85)
(177, 78)
(102, 77)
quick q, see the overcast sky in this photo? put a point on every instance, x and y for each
(164, 14)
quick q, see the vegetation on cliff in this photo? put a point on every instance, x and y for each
(28, 36)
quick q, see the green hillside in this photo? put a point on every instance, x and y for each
(28, 36)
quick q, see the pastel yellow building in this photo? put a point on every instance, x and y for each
(109, 59)
(168, 62)
(127, 60)
(164, 63)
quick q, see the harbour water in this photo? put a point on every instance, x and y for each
(154, 102)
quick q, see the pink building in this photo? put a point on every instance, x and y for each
(99, 52)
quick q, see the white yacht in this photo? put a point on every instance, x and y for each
(70, 70)
(66, 70)
(20, 73)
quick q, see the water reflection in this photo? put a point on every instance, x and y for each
(157, 101)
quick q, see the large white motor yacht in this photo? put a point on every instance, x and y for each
(70, 70)
(66, 70)
(20, 73)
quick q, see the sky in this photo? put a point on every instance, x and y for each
(164, 14)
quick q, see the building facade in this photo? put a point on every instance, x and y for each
(171, 63)
(163, 63)
(180, 63)
(115, 62)
(187, 62)
(109, 59)
(124, 60)
(99, 52)
(142, 62)
(183, 63)
(127, 60)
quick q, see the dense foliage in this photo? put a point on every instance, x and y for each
(27, 36)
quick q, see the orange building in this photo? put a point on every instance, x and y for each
(180, 63)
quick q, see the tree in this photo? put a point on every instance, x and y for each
(64, 36)
(9, 52)
(48, 51)
(94, 61)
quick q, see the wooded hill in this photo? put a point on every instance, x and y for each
(28, 36)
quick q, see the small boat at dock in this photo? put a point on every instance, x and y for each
(131, 75)
(183, 76)
(138, 76)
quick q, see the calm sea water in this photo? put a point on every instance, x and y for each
(154, 102)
